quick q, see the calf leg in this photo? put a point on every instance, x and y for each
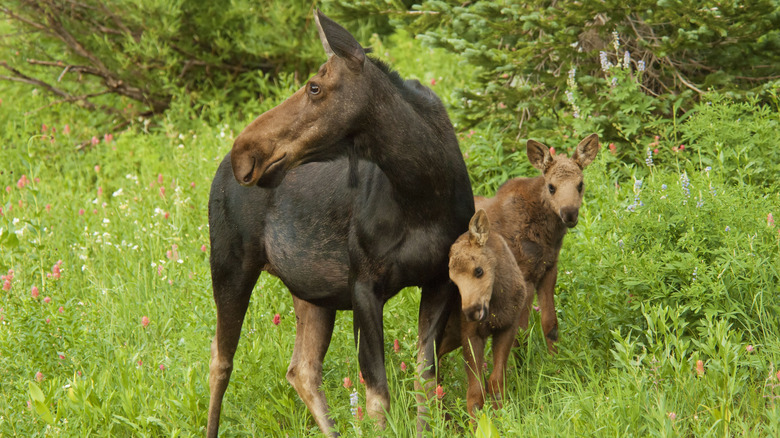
(313, 330)
(502, 345)
(546, 293)
(232, 289)
(473, 353)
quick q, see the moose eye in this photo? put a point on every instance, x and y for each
(314, 88)
(478, 272)
(579, 187)
(551, 188)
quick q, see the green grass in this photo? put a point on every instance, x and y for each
(634, 321)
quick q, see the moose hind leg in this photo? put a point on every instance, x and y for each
(232, 289)
(546, 296)
(314, 327)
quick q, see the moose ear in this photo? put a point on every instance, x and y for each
(338, 41)
(586, 151)
(479, 228)
(538, 154)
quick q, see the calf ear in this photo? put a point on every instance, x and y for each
(538, 154)
(479, 228)
(586, 151)
(338, 41)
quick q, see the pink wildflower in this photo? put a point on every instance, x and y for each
(672, 416)
(403, 366)
(34, 292)
(396, 346)
(81, 212)
(162, 191)
(749, 348)
(655, 151)
(433, 81)
(61, 309)
(347, 382)
(48, 208)
(552, 151)
(140, 362)
(7, 285)
(95, 140)
(440, 392)
(160, 178)
(66, 130)
(100, 191)
(145, 321)
(108, 138)
(39, 376)
(44, 128)
(699, 368)
(47, 300)
(770, 220)
(277, 319)
(203, 248)
(167, 215)
(48, 320)
(192, 185)
(162, 367)
(612, 148)
(61, 356)
(360, 412)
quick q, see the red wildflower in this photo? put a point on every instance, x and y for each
(145, 321)
(34, 292)
(699, 368)
(347, 382)
(396, 346)
(440, 392)
(39, 376)
(47, 300)
(403, 366)
(277, 319)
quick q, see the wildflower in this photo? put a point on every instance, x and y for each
(6, 285)
(145, 321)
(48, 208)
(162, 367)
(685, 184)
(55, 270)
(694, 273)
(615, 40)
(94, 140)
(44, 128)
(61, 356)
(727, 228)
(396, 346)
(626, 59)
(359, 412)
(672, 416)
(536, 308)
(108, 138)
(277, 319)
(612, 148)
(81, 212)
(362, 380)
(34, 292)
(203, 248)
(770, 220)
(640, 65)
(440, 392)
(749, 348)
(403, 366)
(614, 81)
(66, 130)
(39, 376)
(649, 158)
(48, 320)
(433, 81)
(47, 300)
(162, 191)
(552, 151)
(347, 382)
(159, 178)
(605, 64)
(61, 309)
(663, 186)
(192, 185)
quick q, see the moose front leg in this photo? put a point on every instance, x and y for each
(502, 346)
(313, 330)
(437, 303)
(546, 296)
(367, 307)
(474, 355)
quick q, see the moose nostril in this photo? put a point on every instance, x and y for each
(248, 176)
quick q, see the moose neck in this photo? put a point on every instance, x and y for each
(412, 141)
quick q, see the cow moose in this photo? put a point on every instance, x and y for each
(348, 191)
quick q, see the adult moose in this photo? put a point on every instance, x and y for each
(341, 233)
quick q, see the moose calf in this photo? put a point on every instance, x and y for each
(493, 296)
(533, 215)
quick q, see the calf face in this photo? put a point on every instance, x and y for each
(563, 176)
(472, 267)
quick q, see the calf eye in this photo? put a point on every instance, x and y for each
(579, 187)
(478, 272)
(314, 88)
(552, 189)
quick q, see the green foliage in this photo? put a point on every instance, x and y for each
(150, 50)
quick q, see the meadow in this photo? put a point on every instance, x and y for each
(668, 292)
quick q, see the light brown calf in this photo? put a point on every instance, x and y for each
(533, 215)
(493, 296)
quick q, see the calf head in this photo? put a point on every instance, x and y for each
(563, 178)
(473, 267)
(309, 124)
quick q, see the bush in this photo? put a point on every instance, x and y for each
(149, 51)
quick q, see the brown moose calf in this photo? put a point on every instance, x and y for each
(533, 215)
(493, 296)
